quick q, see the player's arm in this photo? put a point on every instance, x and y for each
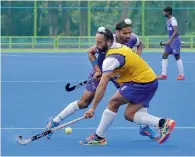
(99, 94)
(93, 59)
(174, 33)
(140, 48)
(108, 66)
(101, 89)
(174, 24)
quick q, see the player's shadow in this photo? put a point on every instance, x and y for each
(145, 144)
(152, 143)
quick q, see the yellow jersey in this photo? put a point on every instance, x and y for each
(134, 69)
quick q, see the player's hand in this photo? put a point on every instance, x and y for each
(97, 75)
(168, 42)
(89, 113)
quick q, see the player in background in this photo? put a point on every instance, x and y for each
(172, 46)
(96, 56)
(124, 35)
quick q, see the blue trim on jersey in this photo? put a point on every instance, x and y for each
(107, 71)
(94, 62)
(119, 57)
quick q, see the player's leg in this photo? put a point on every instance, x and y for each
(73, 107)
(167, 51)
(84, 102)
(121, 97)
(137, 93)
(145, 130)
(141, 94)
(141, 117)
(176, 45)
(180, 67)
(108, 117)
(70, 109)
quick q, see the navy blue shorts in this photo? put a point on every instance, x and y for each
(139, 93)
(174, 47)
(91, 86)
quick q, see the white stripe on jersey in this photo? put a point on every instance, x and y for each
(110, 64)
(173, 21)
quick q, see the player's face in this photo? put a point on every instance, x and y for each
(125, 34)
(166, 14)
(101, 43)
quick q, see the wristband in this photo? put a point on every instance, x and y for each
(93, 63)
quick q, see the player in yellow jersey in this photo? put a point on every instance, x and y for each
(138, 84)
(124, 35)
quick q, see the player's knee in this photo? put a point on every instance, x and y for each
(113, 105)
(165, 56)
(129, 115)
(177, 57)
(83, 103)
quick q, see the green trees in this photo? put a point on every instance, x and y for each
(71, 18)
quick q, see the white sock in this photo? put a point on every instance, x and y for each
(143, 118)
(144, 110)
(69, 110)
(180, 66)
(164, 66)
(106, 120)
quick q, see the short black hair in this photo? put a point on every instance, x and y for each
(108, 35)
(121, 24)
(168, 9)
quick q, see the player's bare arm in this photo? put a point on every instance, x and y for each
(101, 89)
(140, 48)
(173, 36)
(93, 59)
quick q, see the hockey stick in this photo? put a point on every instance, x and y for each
(33, 138)
(69, 89)
(163, 44)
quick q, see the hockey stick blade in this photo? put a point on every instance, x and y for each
(69, 89)
(28, 140)
(21, 141)
(162, 44)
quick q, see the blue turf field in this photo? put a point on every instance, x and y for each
(33, 90)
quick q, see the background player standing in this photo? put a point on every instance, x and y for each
(172, 46)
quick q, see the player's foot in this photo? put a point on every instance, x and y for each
(50, 124)
(162, 77)
(147, 131)
(166, 129)
(180, 77)
(93, 140)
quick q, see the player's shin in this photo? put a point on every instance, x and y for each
(69, 110)
(106, 120)
(143, 118)
(164, 66)
(180, 66)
